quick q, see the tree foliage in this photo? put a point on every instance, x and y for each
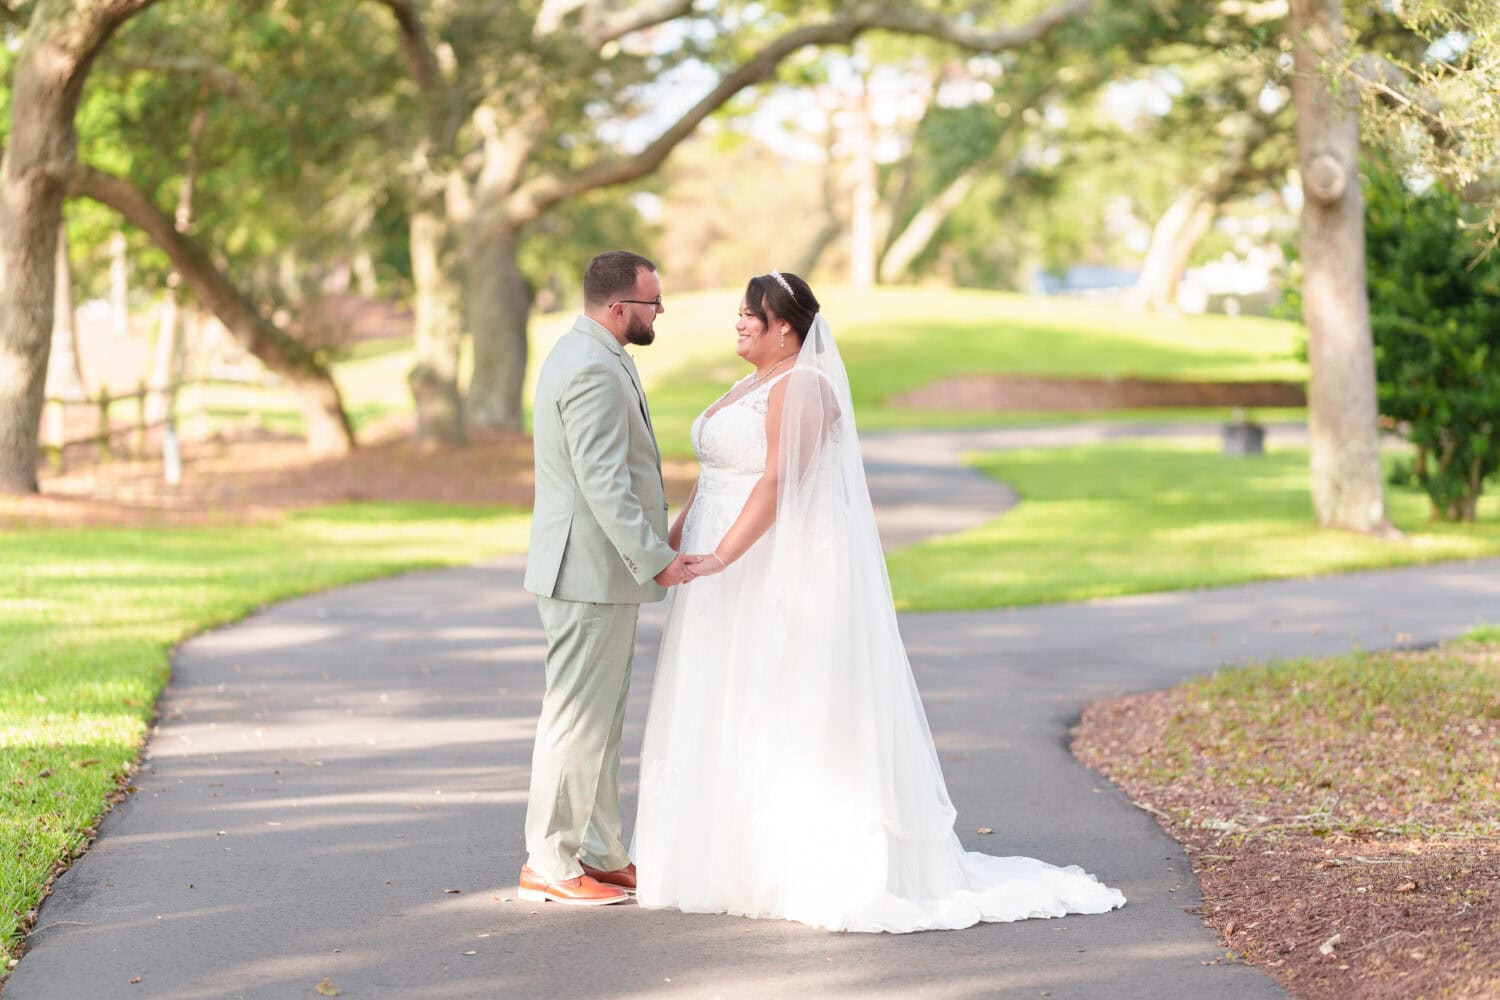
(1435, 313)
(1433, 104)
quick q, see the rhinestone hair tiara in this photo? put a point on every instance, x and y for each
(783, 283)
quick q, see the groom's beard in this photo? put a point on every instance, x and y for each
(639, 333)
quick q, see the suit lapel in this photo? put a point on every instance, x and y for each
(640, 394)
(591, 329)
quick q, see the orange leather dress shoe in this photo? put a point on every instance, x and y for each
(579, 891)
(623, 878)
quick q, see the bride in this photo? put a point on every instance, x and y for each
(787, 768)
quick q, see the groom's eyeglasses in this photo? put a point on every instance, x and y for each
(653, 303)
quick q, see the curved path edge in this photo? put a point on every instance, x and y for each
(921, 487)
(336, 788)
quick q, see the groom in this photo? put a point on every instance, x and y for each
(598, 552)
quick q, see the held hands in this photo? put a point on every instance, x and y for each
(687, 568)
(677, 571)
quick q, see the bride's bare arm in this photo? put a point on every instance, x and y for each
(674, 535)
(759, 512)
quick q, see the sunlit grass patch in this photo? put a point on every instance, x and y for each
(87, 620)
(1145, 516)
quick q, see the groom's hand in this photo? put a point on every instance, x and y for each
(675, 573)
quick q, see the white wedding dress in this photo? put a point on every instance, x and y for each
(787, 768)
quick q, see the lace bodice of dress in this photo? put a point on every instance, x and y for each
(730, 438)
(730, 442)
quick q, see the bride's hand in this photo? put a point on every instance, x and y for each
(703, 565)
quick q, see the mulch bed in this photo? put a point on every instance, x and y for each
(1012, 393)
(1330, 913)
(253, 475)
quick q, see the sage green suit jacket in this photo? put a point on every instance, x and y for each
(599, 527)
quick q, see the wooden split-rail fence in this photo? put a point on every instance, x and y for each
(61, 427)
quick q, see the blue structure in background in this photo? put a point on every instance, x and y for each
(1083, 279)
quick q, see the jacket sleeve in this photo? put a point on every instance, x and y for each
(594, 410)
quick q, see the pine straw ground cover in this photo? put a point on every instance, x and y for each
(1342, 816)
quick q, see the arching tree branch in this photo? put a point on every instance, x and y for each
(600, 26)
(541, 193)
(328, 429)
(419, 54)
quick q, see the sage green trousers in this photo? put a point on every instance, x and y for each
(573, 809)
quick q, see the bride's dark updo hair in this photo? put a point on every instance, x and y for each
(794, 302)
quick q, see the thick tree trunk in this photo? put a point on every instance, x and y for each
(499, 307)
(35, 174)
(1342, 429)
(64, 376)
(925, 224)
(1173, 238)
(62, 38)
(433, 380)
(326, 425)
(1189, 217)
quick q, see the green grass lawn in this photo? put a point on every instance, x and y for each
(892, 339)
(87, 621)
(1138, 517)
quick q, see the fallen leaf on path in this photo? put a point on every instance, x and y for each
(1326, 948)
(984, 831)
(453, 891)
(135, 979)
(1407, 887)
(326, 988)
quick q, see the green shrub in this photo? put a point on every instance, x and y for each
(1435, 314)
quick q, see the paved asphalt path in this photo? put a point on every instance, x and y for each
(337, 784)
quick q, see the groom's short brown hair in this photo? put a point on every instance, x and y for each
(611, 275)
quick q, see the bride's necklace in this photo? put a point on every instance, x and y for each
(756, 379)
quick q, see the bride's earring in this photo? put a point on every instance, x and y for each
(783, 336)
